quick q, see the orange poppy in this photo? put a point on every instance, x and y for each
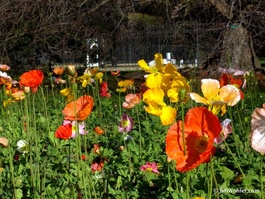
(58, 70)
(32, 78)
(201, 127)
(79, 109)
(98, 130)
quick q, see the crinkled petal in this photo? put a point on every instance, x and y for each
(230, 95)
(154, 80)
(168, 115)
(258, 139)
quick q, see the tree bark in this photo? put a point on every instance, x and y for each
(237, 50)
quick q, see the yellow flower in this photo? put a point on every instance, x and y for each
(215, 97)
(18, 95)
(156, 106)
(98, 76)
(67, 92)
(179, 90)
(155, 78)
(7, 102)
(85, 79)
(124, 85)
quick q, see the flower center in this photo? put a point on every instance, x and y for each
(125, 123)
(201, 144)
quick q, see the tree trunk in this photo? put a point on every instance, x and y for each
(238, 50)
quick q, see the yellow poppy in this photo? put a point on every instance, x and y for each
(179, 90)
(156, 106)
(98, 76)
(67, 92)
(155, 78)
(124, 85)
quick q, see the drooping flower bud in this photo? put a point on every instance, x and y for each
(71, 70)
(26, 89)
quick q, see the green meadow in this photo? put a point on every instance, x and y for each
(122, 152)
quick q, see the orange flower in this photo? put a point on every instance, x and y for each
(201, 127)
(64, 131)
(99, 130)
(32, 78)
(81, 108)
(58, 70)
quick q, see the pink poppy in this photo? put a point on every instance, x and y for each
(258, 129)
(131, 100)
(126, 124)
(226, 129)
(150, 167)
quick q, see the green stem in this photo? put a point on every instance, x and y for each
(213, 179)
(233, 156)
(29, 142)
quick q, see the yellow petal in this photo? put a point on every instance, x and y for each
(173, 94)
(154, 110)
(168, 115)
(159, 61)
(144, 66)
(84, 83)
(197, 98)
(154, 95)
(154, 80)
(210, 88)
(65, 92)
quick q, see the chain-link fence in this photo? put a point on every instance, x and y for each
(186, 43)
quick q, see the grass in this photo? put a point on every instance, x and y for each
(55, 168)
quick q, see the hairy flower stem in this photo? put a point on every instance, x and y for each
(213, 179)
(29, 141)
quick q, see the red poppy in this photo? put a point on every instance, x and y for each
(32, 78)
(226, 79)
(83, 157)
(201, 127)
(104, 90)
(79, 109)
(64, 131)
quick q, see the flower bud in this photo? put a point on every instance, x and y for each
(71, 70)
(26, 89)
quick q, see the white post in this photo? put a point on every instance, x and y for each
(168, 56)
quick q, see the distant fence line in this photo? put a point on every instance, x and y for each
(187, 42)
(183, 41)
